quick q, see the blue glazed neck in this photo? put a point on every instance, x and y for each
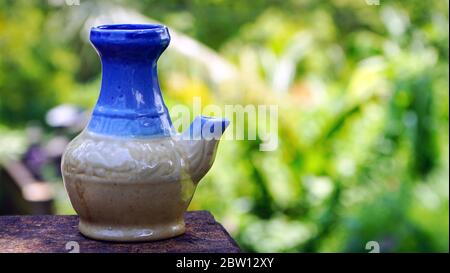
(130, 102)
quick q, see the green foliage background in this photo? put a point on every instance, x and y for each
(363, 98)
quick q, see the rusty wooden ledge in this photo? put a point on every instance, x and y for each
(54, 233)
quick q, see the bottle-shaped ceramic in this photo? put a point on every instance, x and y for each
(128, 174)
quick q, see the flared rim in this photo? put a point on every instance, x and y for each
(129, 27)
(130, 33)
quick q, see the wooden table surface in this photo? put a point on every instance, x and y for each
(56, 233)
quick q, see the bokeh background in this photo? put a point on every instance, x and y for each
(363, 95)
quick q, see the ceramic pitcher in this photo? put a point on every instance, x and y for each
(129, 175)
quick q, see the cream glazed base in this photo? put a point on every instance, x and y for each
(132, 189)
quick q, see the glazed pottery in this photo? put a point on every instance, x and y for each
(129, 175)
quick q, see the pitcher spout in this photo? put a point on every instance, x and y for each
(200, 142)
(206, 128)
